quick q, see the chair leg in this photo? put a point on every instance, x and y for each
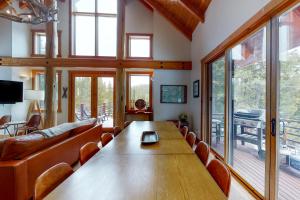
(6, 129)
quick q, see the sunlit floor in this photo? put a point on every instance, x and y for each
(252, 169)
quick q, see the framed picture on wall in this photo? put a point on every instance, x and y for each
(176, 94)
(196, 89)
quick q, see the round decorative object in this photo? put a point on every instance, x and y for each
(140, 104)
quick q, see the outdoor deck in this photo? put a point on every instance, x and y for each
(252, 169)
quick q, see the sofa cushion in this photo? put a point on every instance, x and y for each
(21, 146)
(82, 126)
(57, 130)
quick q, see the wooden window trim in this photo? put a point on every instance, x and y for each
(71, 34)
(128, 35)
(59, 98)
(92, 74)
(128, 74)
(33, 33)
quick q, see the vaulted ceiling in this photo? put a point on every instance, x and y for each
(183, 14)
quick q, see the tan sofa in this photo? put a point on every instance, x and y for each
(24, 158)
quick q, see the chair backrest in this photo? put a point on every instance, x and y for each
(117, 131)
(106, 138)
(178, 124)
(127, 123)
(191, 139)
(5, 119)
(184, 131)
(50, 179)
(34, 121)
(87, 151)
(202, 151)
(221, 174)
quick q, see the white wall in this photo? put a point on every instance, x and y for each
(164, 111)
(5, 37)
(21, 40)
(222, 19)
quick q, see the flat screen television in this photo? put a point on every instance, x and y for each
(11, 92)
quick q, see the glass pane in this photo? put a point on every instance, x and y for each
(107, 6)
(40, 44)
(84, 6)
(217, 105)
(289, 110)
(82, 98)
(247, 139)
(139, 89)
(84, 35)
(106, 101)
(107, 45)
(139, 46)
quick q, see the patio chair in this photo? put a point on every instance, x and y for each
(32, 125)
(3, 123)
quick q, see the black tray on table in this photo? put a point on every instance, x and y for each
(149, 137)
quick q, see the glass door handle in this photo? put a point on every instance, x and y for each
(273, 127)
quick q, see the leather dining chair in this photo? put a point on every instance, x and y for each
(106, 138)
(87, 151)
(184, 131)
(50, 179)
(191, 139)
(32, 125)
(3, 120)
(221, 175)
(202, 151)
(117, 131)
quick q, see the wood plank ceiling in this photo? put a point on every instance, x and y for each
(183, 14)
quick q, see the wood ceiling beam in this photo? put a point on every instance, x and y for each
(94, 62)
(164, 12)
(147, 5)
(193, 10)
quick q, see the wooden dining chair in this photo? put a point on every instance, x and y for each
(87, 151)
(191, 139)
(50, 179)
(106, 138)
(221, 175)
(117, 131)
(184, 131)
(202, 151)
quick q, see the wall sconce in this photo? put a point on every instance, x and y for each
(24, 77)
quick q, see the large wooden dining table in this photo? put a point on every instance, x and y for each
(125, 169)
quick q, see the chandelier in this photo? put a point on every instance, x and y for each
(27, 11)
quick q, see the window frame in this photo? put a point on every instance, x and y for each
(128, 47)
(33, 45)
(128, 78)
(34, 73)
(72, 47)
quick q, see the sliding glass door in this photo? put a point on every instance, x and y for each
(288, 136)
(217, 97)
(92, 96)
(248, 103)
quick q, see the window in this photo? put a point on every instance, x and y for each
(139, 46)
(94, 28)
(38, 83)
(139, 86)
(39, 43)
